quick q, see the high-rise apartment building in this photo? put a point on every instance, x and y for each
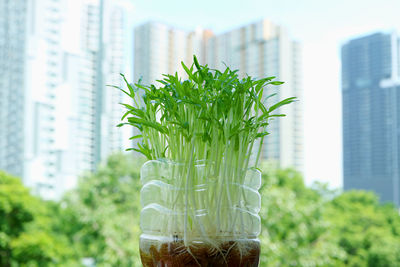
(29, 79)
(371, 114)
(56, 112)
(159, 49)
(261, 49)
(101, 56)
(14, 29)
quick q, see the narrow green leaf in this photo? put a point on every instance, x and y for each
(135, 137)
(131, 91)
(276, 83)
(281, 103)
(151, 124)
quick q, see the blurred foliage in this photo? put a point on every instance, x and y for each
(301, 226)
(28, 236)
(294, 231)
(103, 213)
(367, 231)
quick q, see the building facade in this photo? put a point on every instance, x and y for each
(260, 49)
(371, 114)
(160, 49)
(29, 81)
(66, 52)
(13, 34)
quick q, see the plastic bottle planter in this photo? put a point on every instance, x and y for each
(191, 217)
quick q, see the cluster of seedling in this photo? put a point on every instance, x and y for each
(209, 116)
(212, 117)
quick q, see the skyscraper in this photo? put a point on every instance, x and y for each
(30, 76)
(101, 57)
(260, 49)
(14, 30)
(56, 111)
(371, 114)
(159, 49)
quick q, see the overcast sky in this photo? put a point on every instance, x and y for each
(322, 26)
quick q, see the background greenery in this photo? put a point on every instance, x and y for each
(100, 220)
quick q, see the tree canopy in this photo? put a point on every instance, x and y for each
(28, 236)
(99, 220)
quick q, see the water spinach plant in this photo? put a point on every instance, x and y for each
(211, 128)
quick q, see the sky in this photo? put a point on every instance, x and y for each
(321, 26)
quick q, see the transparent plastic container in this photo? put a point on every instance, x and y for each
(199, 215)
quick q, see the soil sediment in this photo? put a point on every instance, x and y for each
(175, 254)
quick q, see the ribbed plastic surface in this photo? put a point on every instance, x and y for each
(199, 205)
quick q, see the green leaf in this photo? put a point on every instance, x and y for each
(135, 137)
(189, 72)
(131, 90)
(262, 134)
(151, 124)
(196, 63)
(281, 103)
(276, 83)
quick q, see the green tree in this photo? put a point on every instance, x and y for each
(103, 212)
(26, 234)
(368, 231)
(294, 232)
(301, 226)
